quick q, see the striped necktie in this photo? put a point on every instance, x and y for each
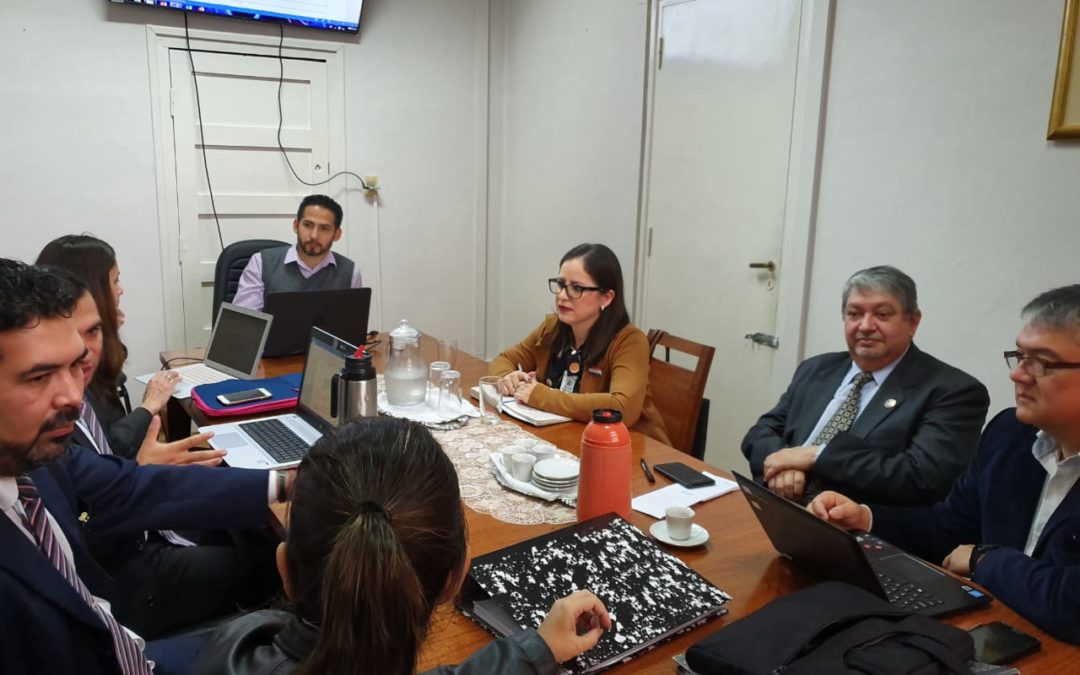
(841, 420)
(130, 658)
(101, 443)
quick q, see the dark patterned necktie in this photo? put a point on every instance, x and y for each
(131, 659)
(101, 444)
(841, 420)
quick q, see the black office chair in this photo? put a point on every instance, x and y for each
(230, 265)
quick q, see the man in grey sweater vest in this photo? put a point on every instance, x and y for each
(308, 266)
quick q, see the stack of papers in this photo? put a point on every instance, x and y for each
(655, 503)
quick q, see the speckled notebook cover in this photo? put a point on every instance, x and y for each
(650, 594)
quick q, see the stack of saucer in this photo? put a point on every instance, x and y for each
(556, 474)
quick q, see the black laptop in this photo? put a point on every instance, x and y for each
(341, 312)
(830, 553)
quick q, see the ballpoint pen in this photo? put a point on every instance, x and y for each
(648, 472)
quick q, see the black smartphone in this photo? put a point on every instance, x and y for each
(999, 643)
(684, 475)
(246, 396)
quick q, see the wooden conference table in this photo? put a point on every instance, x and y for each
(738, 557)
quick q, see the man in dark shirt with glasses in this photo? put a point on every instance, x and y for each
(1012, 522)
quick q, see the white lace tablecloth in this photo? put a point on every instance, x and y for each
(469, 449)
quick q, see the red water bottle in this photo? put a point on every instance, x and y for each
(604, 481)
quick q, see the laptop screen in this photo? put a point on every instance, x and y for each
(325, 358)
(237, 343)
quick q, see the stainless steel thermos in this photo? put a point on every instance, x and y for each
(353, 391)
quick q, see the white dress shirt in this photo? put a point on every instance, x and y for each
(1061, 475)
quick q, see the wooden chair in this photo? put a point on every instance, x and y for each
(679, 392)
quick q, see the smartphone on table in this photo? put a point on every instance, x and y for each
(246, 396)
(684, 475)
(999, 643)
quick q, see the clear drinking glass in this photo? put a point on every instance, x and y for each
(450, 393)
(448, 352)
(435, 371)
(490, 399)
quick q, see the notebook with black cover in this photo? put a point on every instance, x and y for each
(341, 311)
(830, 553)
(650, 594)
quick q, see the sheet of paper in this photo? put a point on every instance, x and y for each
(655, 503)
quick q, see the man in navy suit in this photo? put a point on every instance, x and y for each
(54, 611)
(1012, 522)
(883, 419)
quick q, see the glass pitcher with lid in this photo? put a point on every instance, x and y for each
(406, 373)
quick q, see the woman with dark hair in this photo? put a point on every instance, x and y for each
(93, 262)
(376, 541)
(587, 355)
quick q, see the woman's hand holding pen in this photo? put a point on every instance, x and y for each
(510, 383)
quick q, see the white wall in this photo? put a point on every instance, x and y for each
(566, 117)
(78, 148)
(935, 160)
(79, 155)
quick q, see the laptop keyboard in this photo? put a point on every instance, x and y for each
(278, 440)
(906, 595)
(201, 374)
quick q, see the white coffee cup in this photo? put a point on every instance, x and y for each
(543, 451)
(521, 465)
(527, 443)
(680, 519)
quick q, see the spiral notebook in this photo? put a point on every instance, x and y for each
(650, 594)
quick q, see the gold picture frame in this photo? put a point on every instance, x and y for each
(1065, 106)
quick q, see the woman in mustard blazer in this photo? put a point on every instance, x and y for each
(587, 355)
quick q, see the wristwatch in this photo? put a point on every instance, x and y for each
(282, 486)
(977, 554)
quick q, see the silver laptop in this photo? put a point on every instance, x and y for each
(281, 441)
(235, 349)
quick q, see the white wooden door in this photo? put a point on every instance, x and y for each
(717, 165)
(254, 192)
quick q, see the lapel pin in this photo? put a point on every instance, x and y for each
(890, 403)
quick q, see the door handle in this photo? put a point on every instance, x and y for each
(764, 339)
(767, 265)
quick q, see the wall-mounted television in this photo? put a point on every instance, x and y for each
(339, 15)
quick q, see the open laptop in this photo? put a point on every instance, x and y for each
(342, 312)
(281, 441)
(235, 349)
(828, 552)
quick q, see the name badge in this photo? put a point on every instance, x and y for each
(568, 383)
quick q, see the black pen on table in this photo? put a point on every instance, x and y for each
(648, 472)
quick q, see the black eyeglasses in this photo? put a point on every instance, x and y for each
(575, 291)
(1035, 366)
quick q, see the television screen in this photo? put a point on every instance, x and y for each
(340, 15)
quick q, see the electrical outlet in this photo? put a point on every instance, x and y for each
(371, 183)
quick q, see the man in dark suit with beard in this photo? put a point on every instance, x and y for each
(54, 611)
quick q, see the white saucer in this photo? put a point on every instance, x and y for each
(557, 469)
(698, 535)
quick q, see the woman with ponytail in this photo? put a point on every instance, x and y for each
(376, 541)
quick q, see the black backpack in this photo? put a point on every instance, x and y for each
(833, 628)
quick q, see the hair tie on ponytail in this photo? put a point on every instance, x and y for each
(374, 508)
